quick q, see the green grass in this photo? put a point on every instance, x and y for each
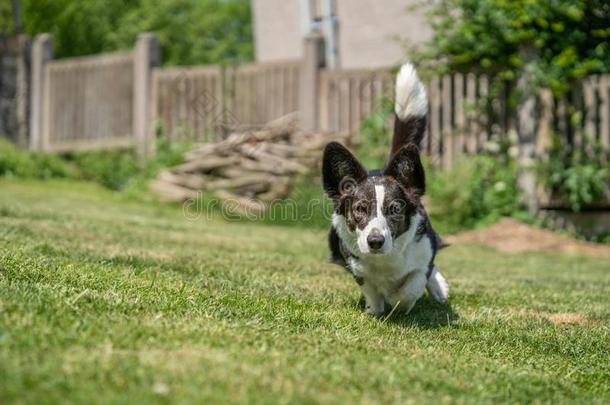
(106, 300)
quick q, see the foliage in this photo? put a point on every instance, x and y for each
(7, 24)
(568, 39)
(579, 178)
(121, 169)
(110, 168)
(78, 27)
(478, 190)
(113, 169)
(18, 163)
(306, 206)
(190, 31)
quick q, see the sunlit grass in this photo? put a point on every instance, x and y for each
(104, 299)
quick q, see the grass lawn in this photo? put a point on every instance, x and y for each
(107, 300)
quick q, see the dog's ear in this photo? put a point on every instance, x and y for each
(341, 171)
(406, 167)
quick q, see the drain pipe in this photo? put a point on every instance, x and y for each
(329, 29)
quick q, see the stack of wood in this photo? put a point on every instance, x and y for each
(250, 168)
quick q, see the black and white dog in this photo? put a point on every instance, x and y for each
(380, 231)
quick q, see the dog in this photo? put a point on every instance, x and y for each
(380, 231)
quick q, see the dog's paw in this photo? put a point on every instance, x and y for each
(369, 310)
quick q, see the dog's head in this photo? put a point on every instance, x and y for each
(377, 207)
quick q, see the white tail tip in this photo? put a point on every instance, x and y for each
(411, 99)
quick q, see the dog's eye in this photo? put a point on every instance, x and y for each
(361, 210)
(395, 208)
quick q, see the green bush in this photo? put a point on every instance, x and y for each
(558, 41)
(478, 190)
(121, 169)
(113, 169)
(578, 178)
(306, 206)
(19, 163)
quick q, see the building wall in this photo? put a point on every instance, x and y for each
(371, 33)
(277, 30)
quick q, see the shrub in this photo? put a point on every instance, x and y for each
(478, 190)
(559, 41)
(19, 163)
(120, 169)
(306, 206)
(578, 178)
(113, 169)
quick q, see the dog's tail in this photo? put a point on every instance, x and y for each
(411, 108)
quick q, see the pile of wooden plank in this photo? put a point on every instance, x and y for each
(250, 168)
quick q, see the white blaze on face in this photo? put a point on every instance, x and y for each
(377, 222)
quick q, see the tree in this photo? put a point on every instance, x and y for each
(526, 45)
(6, 18)
(564, 39)
(190, 31)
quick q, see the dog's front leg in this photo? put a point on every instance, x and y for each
(374, 303)
(409, 291)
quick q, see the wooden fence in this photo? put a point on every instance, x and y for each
(259, 93)
(203, 103)
(112, 101)
(189, 102)
(88, 103)
(349, 96)
(456, 125)
(91, 102)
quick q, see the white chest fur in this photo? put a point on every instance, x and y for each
(386, 272)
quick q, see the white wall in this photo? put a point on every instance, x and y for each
(277, 30)
(369, 31)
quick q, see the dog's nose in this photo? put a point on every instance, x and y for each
(375, 240)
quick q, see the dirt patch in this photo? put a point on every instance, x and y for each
(512, 236)
(563, 318)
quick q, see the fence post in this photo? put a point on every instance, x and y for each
(147, 54)
(313, 61)
(22, 97)
(526, 130)
(42, 53)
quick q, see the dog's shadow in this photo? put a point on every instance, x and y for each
(427, 314)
